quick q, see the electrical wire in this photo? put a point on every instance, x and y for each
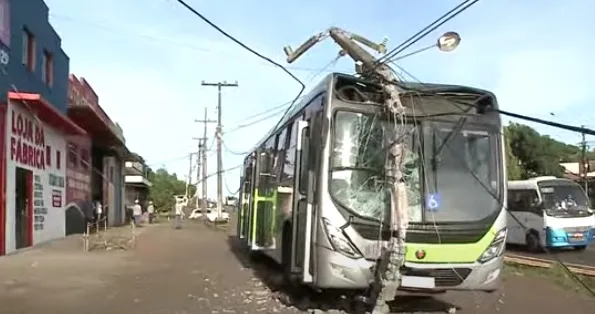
(231, 151)
(241, 126)
(426, 30)
(302, 86)
(154, 39)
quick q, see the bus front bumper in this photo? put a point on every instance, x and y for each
(559, 238)
(337, 271)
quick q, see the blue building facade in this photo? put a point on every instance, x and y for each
(31, 56)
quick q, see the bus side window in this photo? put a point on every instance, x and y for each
(281, 156)
(289, 162)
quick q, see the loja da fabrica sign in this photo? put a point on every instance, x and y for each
(27, 143)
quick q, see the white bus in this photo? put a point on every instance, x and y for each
(549, 212)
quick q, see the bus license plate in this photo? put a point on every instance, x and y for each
(418, 282)
(577, 236)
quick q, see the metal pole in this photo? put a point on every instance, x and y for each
(219, 135)
(584, 162)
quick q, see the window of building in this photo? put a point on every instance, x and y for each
(47, 69)
(84, 159)
(29, 50)
(72, 156)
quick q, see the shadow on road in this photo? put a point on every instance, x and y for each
(306, 299)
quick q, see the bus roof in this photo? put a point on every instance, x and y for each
(416, 88)
(532, 182)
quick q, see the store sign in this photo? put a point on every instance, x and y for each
(27, 143)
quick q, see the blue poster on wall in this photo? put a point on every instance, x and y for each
(433, 202)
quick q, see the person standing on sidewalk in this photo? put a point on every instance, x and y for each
(137, 211)
(179, 213)
(151, 211)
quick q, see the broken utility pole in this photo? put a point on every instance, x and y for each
(388, 276)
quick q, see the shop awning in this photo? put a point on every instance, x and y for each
(96, 126)
(46, 112)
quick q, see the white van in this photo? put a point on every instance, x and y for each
(549, 212)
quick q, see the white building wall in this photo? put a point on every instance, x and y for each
(49, 218)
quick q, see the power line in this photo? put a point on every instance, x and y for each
(241, 126)
(233, 152)
(302, 86)
(428, 29)
(153, 39)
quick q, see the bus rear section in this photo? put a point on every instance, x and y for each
(549, 212)
(323, 222)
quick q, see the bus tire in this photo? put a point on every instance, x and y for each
(532, 241)
(580, 247)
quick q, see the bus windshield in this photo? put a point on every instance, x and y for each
(563, 199)
(461, 179)
(462, 171)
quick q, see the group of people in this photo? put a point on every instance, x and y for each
(137, 212)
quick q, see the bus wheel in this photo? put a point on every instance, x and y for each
(580, 247)
(532, 241)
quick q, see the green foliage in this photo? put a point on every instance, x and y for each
(531, 154)
(165, 186)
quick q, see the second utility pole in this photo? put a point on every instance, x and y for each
(219, 135)
(202, 142)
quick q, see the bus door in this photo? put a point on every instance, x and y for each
(302, 216)
(264, 202)
(246, 192)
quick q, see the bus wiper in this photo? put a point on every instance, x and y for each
(456, 129)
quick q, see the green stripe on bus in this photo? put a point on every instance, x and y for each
(272, 198)
(450, 253)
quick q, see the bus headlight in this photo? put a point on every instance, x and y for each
(339, 241)
(496, 248)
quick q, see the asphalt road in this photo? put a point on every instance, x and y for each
(203, 270)
(586, 257)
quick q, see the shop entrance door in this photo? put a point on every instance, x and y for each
(23, 208)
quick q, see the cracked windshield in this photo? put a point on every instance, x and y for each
(463, 156)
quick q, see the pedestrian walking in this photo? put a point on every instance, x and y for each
(151, 211)
(137, 211)
(179, 214)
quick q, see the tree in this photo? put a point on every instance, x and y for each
(531, 154)
(165, 186)
(513, 164)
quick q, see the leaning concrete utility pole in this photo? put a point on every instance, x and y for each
(219, 135)
(388, 276)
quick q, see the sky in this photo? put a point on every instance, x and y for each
(146, 61)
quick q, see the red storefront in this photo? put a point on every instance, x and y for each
(106, 148)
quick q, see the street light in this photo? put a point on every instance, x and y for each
(448, 42)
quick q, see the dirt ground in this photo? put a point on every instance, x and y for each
(201, 270)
